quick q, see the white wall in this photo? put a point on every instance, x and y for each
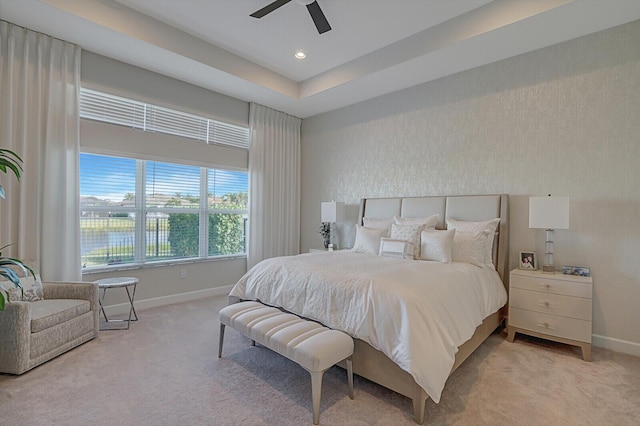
(163, 285)
(563, 120)
(127, 80)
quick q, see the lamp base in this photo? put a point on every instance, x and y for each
(548, 269)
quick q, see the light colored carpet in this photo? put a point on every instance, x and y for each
(165, 371)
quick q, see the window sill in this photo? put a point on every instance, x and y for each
(136, 266)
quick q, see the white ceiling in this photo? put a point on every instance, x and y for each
(375, 46)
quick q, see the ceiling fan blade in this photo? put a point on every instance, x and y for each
(269, 8)
(318, 17)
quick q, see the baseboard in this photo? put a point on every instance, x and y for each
(616, 345)
(123, 308)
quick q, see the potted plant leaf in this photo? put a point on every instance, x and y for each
(10, 267)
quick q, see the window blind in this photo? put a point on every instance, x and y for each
(227, 189)
(108, 108)
(108, 182)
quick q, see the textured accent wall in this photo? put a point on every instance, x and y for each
(563, 120)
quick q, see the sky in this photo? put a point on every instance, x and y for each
(113, 177)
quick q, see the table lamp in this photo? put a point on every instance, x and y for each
(331, 212)
(549, 213)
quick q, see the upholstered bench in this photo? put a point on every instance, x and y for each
(314, 347)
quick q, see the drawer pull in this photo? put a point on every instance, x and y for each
(545, 324)
(545, 286)
(545, 303)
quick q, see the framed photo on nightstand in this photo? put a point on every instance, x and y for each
(576, 270)
(527, 260)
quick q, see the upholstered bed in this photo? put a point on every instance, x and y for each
(413, 321)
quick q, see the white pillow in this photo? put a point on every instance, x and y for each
(396, 248)
(410, 233)
(368, 239)
(372, 222)
(469, 247)
(32, 289)
(436, 245)
(427, 222)
(488, 226)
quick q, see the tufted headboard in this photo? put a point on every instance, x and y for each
(460, 207)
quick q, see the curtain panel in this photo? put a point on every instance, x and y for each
(39, 88)
(274, 184)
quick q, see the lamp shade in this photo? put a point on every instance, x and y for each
(331, 211)
(549, 212)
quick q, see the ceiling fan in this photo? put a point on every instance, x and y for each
(314, 10)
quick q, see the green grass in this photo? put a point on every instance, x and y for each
(119, 224)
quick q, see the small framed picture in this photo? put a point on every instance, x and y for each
(576, 270)
(528, 260)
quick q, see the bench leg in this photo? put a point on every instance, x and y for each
(221, 341)
(350, 376)
(316, 391)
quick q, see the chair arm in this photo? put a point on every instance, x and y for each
(72, 290)
(15, 331)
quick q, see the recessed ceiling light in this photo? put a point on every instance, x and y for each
(300, 55)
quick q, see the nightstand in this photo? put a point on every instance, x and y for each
(556, 307)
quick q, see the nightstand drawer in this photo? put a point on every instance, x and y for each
(553, 325)
(554, 304)
(553, 284)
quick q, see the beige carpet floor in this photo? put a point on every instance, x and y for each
(165, 371)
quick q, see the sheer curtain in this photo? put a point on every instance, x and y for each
(39, 85)
(274, 184)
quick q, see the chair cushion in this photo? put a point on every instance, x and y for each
(50, 312)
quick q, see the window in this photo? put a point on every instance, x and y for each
(139, 211)
(148, 206)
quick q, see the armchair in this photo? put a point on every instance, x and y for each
(35, 332)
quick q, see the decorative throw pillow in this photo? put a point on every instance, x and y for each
(410, 233)
(396, 248)
(372, 222)
(488, 226)
(426, 222)
(368, 239)
(32, 289)
(436, 245)
(468, 247)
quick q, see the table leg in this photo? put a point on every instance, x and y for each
(101, 299)
(132, 297)
(132, 310)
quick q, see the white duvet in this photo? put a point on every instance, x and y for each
(416, 312)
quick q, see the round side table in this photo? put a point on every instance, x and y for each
(119, 282)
